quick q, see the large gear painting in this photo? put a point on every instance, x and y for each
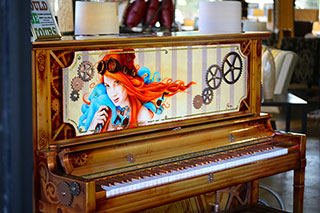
(214, 76)
(232, 67)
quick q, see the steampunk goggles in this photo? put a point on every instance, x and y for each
(113, 66)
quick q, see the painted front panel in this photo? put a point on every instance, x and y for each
(108, 90)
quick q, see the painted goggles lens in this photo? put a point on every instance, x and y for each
(114, 66)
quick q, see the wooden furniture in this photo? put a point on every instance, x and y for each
(284, 19)
(214, 125)
(288, 101)
(285, 62)
(306, 14)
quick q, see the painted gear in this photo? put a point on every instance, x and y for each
(56, 84)
(214, 76)
(55, 105)
(80, 159)
(65, 196)
(86, 71)
(74, 188)
(74, 95)
(231, 67)
(76, 83)
(197, 101)
(207, 95)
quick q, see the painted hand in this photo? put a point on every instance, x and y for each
(100, 119)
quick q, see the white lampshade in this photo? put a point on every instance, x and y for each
(220, 17)
(93, 18)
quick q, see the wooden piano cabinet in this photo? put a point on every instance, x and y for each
(214, 116)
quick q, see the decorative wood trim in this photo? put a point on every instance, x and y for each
(41, 100)
(57, 59)
(49, 189)
(246, 47)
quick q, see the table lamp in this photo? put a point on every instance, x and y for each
(96, 18)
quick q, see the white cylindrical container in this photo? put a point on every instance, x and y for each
(93, 18)
(220, 17)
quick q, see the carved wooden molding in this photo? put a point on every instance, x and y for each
(43, 139)
(41, 59)
(246, 47)
(49, 188)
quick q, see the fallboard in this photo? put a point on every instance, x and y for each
(89, 90)
(95, 160)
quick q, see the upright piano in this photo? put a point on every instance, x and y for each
(154, 123)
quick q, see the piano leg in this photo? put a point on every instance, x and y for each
(299, 175)
(298, 189)
(254, 192)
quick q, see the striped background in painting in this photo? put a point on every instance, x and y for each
(188, 64)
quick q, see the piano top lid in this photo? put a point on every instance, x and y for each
(114, 39)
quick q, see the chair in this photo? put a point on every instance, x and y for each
(285, 62)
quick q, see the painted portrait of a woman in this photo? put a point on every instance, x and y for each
(134, 96)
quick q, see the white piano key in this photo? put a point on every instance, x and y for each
(150, 181)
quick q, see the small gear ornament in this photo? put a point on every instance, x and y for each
(86, 71)
(74, 188)
(207, 95)
(74, 96)
(65, 196)
(197, 101)
(77, 84)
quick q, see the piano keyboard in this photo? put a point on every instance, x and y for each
(151, 177)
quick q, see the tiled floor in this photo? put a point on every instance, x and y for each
(283, 183)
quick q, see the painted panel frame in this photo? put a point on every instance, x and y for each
(213, 80)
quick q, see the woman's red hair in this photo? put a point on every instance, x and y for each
(138, 91)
